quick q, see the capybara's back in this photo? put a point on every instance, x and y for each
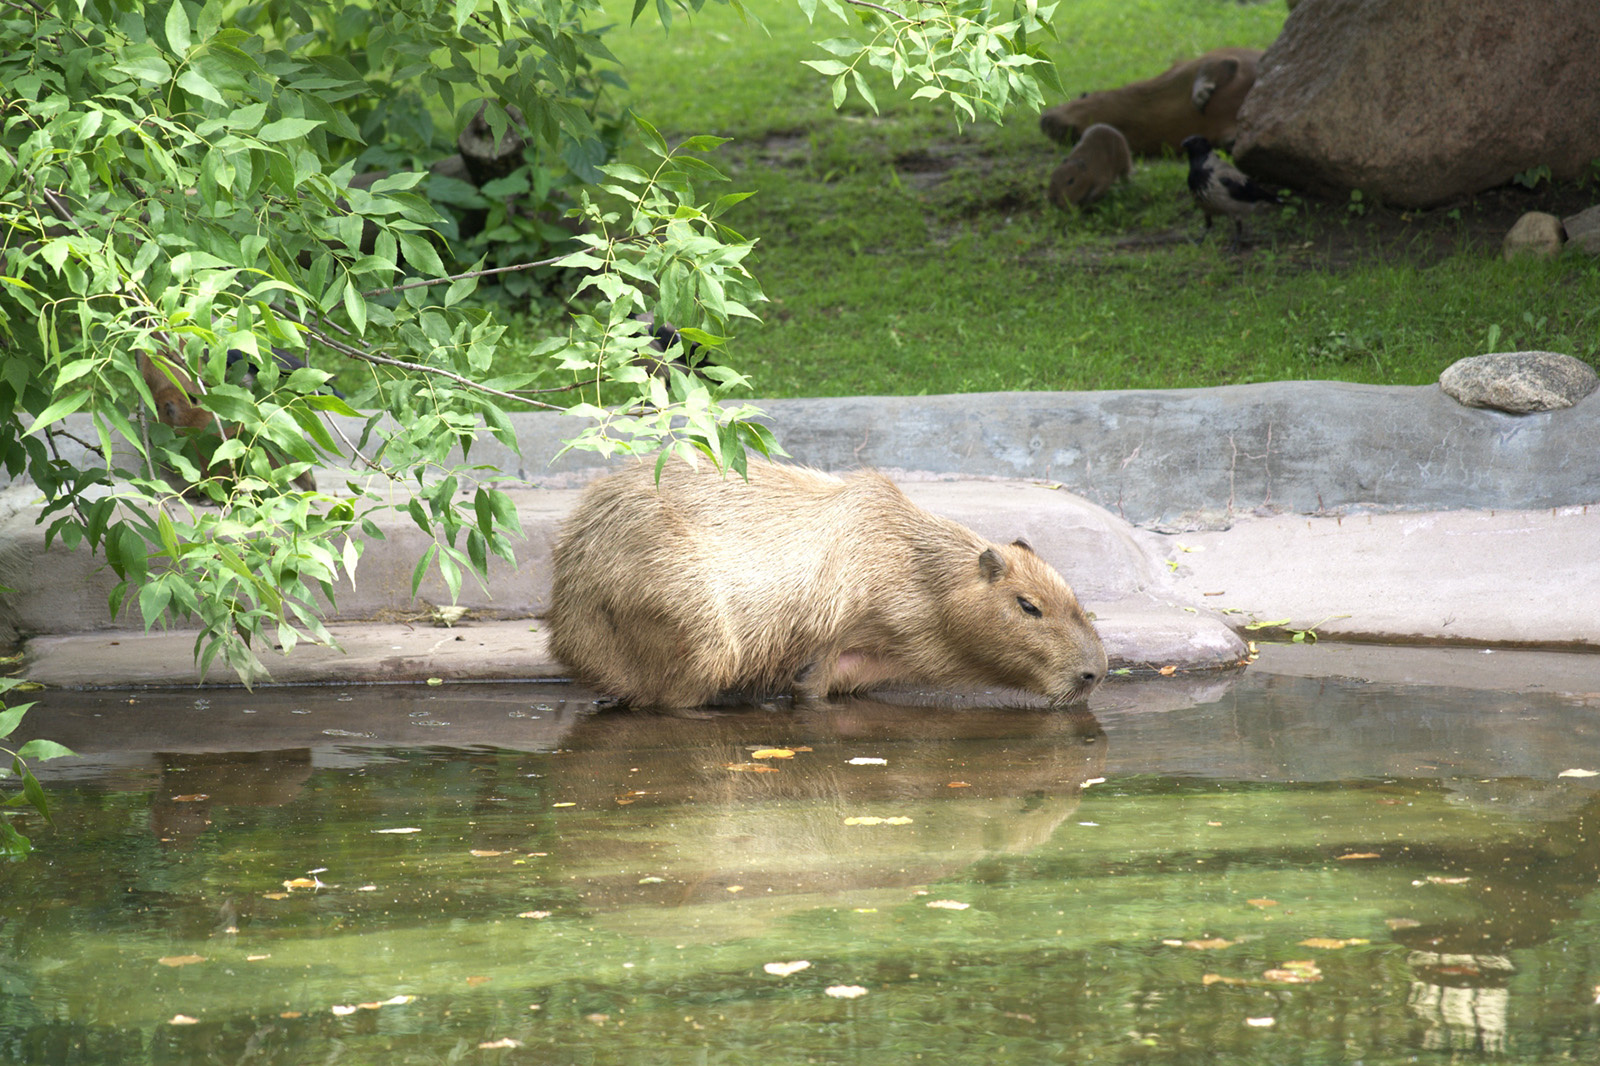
(671, 595)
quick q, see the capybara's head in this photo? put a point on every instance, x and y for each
(1070, 183)
(1021, 620)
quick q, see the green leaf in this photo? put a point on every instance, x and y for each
(177, 26)
(827, 67)
(287, 129)
(9, 719)
(356, 306)
(42, 750)
(421, 569)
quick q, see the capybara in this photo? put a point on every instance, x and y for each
(1099, 161)
(670, 595)
(1200, 96)
(179, 400)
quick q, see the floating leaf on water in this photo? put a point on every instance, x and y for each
(402, 829)
(1167, 671)
(290, 1014)
(845, 991)
(1261, 1023)
(183, 1019)
(484, 853)
(181, 960)
(435, 681)
(1171, 943)
(772, 753)
(196, 797)
(1575, 772)
(1217, 979)
(735, 888)
(474, 982)
(503, 1042)
(1214, 825)
(1402, 923)
(749, 768)
(784, 969)
(870, 819)
(303, 882)
(367, 888)
(534, 914)
(651, 880)
(948, 904)
(1294, 972)
(274, 895)
(958, 784)
(1359, 855)
(1211, 944)
(566, 803)
(1093, 781)
(868, 760)
(597, 1019)
(340, 1010)
(1262, 902)
(1331, 943)
(1437, 880)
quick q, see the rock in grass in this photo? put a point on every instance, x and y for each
(1535, 235)
(1583, 230)
(1519, 382)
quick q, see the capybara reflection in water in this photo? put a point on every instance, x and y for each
(795, 580)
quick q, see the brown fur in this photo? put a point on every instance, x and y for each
(1200, 96)
(178, 404)
(797, 580)
(1099, 161)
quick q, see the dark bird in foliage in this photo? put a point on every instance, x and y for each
(287, 362)
(1219, 188)
(663, 335)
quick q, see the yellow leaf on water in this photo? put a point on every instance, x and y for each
(958, 784)
(844, 991)
(302, 882)
(256, 958)
(484, 853)
(749, 768)
(1217, 978)
(1437, 880)
(181, 960)
(1262, 902)
(1575, 772)
(192, 798)
(534, 914)
(341, 1009)
(183, 1019)
(503, 1042)
(948, 904)
(1359, 855)
(474, 982)
(1331, 943)
(1213, 944)
(274, 895)
(290, 1014)
(784, 969)
(1167, 671)
(1261, 1023)
(772, 753)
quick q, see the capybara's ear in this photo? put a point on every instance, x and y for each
(1024, 545)
(992, 565)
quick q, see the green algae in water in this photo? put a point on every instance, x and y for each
(1250, 870)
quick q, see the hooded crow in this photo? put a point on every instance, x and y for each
(1221, 189)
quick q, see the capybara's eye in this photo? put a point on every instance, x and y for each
(1028, 607)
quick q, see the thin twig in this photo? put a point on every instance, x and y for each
(462, 277)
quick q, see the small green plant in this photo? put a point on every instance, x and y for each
(1530, 178)
(1308, 635)
(1358, 203)
(1492, 337)
(13, 844)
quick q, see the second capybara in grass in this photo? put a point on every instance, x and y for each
(1100, 160)
(1200, 96)
(671, 595)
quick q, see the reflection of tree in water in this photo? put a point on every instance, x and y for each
(1524, 889)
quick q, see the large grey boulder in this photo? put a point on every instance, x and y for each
(1519, 382)
(1426, 101)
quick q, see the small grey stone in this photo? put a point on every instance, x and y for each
(1583, 230)
(1535, 234)
(1519, 382)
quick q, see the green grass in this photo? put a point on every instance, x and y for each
(903, 256)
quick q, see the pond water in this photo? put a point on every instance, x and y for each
(1248, 868)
